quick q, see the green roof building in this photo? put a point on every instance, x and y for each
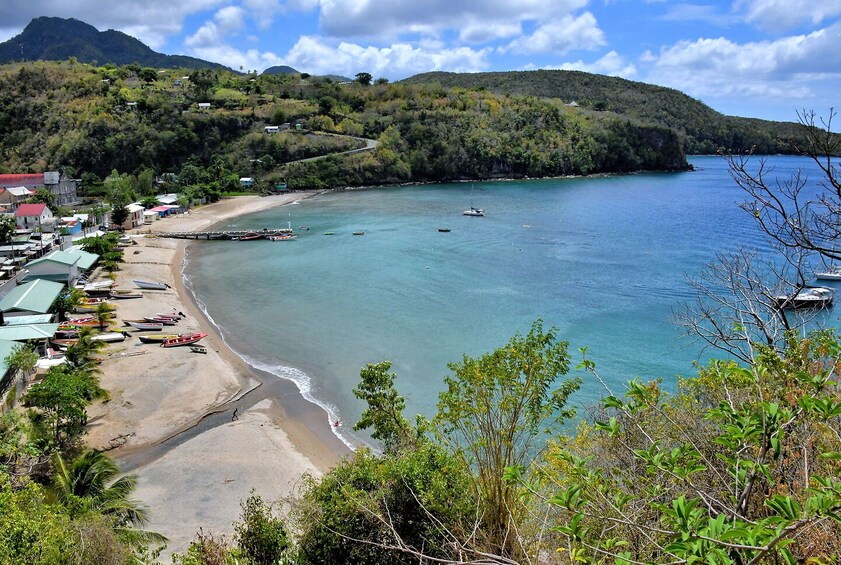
(34, 297)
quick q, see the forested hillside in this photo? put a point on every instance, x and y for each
(93, 120)
(58, 39)
(703, 129)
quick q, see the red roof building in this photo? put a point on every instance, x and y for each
(30, 210)
(21, 180)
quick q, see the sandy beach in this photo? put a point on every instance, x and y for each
(200, 430)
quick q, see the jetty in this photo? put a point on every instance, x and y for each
(243, 235)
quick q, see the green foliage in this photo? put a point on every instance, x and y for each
(385, 407)
(364, 78)
(60, 399)
(365, 507)
(67, 301)
(738, 467)
(43, 196)
(497, 411)
(260, 536)
(703, 129)
(7, 228)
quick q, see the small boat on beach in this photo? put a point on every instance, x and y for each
(157, 338)
(161, 320)
(144, 326)
(87, 305)
(150, 285)
(809, 297)
(125, 293)
(110, 337)
(185, 339)
(831, 274)
(87, 321)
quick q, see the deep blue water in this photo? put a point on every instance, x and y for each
(605, 260)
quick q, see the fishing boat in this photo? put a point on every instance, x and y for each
(282, 237)
(110, 337)
(831, 274)
(186, 339)
(150, 285)
(144, 326)
(444, 230)
(250, 236)
(810, 297)
(89, 321)
(64, 342)
(125, 293)
(157, 338)
(328, 233)
(161, 320)
(92, 305)
(473, 211)
(359, 233)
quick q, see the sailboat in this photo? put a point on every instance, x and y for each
(473, 211)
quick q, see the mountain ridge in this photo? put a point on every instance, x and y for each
(58, 39)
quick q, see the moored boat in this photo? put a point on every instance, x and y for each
(831, 274)
(150, 285)
(282, 237)
(185, 339)
(809, 297)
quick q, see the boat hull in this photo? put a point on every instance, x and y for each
(149, 285)
(183, 340)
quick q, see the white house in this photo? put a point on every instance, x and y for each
(34, 217)
(58, 266)
(135, 216)
(246, 182)
(271, 129)
(203, 105)
(12, 196)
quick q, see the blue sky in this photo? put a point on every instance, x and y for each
(756, 58)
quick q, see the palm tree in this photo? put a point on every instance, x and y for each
(91, 483)
(66, 302)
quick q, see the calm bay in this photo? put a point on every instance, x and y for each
(603, 259)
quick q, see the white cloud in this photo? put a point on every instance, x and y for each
(783, 15)
(611, 64)
(312, 55)
(151, 21)
(263, 11)
(226, 21)
(788, 68)
(389, 18)
(482, 32)
(561, 36)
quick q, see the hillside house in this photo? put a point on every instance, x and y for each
(271, 129)
(12, 196)
(60, 186)
(36, 217)
(135, 216)
(246, 182)
(203, 105)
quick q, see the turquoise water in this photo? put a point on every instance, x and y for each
(602, 259)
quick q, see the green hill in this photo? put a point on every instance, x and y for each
(703, 129)
(59, 39)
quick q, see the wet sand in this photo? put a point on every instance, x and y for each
(200, 430)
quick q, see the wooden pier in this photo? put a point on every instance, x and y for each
(225, 234)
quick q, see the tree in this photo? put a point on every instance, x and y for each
(385, 407)
(91, 483)
(66, 302)
(7, 229)
(364, 78)
(783, 210)
(203, 80)
(43, 196)
(61, 399)
(497, 413)
(260, 536)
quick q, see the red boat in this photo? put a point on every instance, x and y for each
(186, 339)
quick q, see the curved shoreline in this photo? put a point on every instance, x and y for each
(201, 431)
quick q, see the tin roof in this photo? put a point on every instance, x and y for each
(25, 332)
(22, 180)
(36, 296)
(30, 210)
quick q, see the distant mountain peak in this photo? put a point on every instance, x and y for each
(58, 39)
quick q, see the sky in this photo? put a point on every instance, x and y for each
(756, 58)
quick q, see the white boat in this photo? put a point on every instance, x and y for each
(145, 326)
(831, 274)
(473, 211)
(126, 294)
(810, 297)
(109, 337)
(150, 285)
